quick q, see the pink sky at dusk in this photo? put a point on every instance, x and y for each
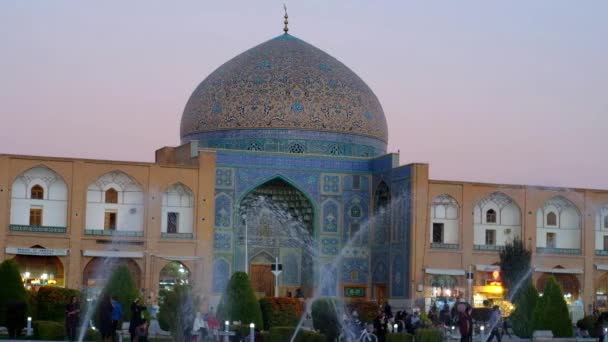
(503, 92)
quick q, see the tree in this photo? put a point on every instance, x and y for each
(177, 311)
(12, 290)
(238, 302)
(551, 312)
(515, 266)
(521, 318)
(122, 285)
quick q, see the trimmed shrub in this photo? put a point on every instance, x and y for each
(325, 317)
(282, 334)
(122, 285)
(48, 330)
(428, 335)
(176, 313)
(12, 290)
(281, 311)
(551, 312)
(238, 302)
(367, 310)
(399, 337)
(522, 318)
(515, 265)
(51, 302)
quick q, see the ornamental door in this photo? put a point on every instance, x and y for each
(262, 279)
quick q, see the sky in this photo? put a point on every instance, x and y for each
(512, 92)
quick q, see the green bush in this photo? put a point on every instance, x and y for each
(428, 335)
(265, 336)
(92, 335)
(12, 289)
(522, 318)
(325, 317)
(282, 334)
(176, 313)
(399, 337)
(281, 311)
(51, 302)
(367, 310)
(238, 302)
(551, 312)
(48, 330)
(122, 285)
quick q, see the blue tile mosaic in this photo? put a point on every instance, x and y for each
(223, 178)
(330, 246)
(223, 211)
(354, 271)
(221, 272)
(331, 184)
(331, 216)
(222, 241)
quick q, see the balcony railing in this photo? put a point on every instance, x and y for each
(601, 252)
(18, 228)
(562, 251)
(488, 247)
(440, 245)
(178, 236)
(113, 233)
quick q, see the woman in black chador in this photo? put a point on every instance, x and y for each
(104, 314)
(136, 319)
(72, 318)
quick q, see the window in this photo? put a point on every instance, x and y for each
(35, 216)
(491, 237)
(606, 221)
(605, 243)
(437, 232)
(357, 182)
(551, 243)
(355, 211)
(110, 220)
(296, 148)
(490, 216)
(111, 196)
(37, 192)
(172, 222)
(551, 219)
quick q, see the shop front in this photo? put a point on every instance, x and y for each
(443, 287)
(39, 266)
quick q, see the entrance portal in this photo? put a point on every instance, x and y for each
(276, 220)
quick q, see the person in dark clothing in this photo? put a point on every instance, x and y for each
(141, 332)
(388, 311)
(116, 317)
(494, 324)
(104, 314)
(72, 318)
(136, 319)
(15, 318)
(444, 315)
(464, 324)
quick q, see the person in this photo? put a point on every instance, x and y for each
(72, 318)
(136, 318)
(505, 327)
(116, 317)
(288, 294)
(141, 331)
(494, 324)
(433, 314)
(199, 328)
(414, 321)
(388, 311)
(299, 293)
(15, 317)
(104, 314)
(444, 315)
(464, 324)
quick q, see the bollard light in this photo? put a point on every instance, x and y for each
(453, 327)
(227, 325)
(29, 331)
(251, 325)
(395, 327)
(252, 332)
(481, 328)
(605, 329)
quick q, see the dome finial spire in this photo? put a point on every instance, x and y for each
(285, 29)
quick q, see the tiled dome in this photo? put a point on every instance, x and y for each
(287, 84)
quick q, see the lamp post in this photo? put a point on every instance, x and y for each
(470, 283)
(252, 332)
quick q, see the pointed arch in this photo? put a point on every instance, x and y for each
(39, 197)
(221, 272)
(444, 222)
(497, 220)
(558, 225)
(330, 213)
(177, 209)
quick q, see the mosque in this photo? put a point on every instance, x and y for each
(287, 122)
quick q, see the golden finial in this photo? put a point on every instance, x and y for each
(285, 29)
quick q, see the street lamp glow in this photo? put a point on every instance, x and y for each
(251, 325)
(395, 327)
(44, 276)
(481, 328)
(27, 274)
